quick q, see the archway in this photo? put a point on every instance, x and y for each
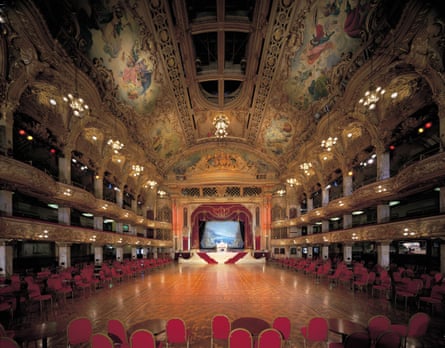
(222, 212)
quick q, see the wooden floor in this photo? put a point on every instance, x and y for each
(197, 292)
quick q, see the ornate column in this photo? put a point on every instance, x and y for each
(64, 215)
(325, 252)
(383, 213)
(65, 167)
(64, 252)
(324, 197)
(134, 253)
(98, 186)
(347, 191)
(347, 253)
(383, 165)
(7, 110)
(98, 254)
(325, 226)
(119, 254)
(309, 252)
(6, 259)
(383, 253)
(98, 222)
(6, 202)
(120, 198)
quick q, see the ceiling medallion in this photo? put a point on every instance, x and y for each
(221, 123)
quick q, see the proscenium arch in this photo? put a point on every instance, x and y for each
(222, 212)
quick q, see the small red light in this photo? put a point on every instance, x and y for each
(392, 147)
(53, 151)
(428, 124)
(22, 132)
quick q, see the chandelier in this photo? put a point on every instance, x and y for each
(306, 166)
(292, 182)
(221, 123)
(77, 104)
(137, 169)
(116, 145)
(328, 143)
(371, 97)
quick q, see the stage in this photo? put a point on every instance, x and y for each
(220, 257)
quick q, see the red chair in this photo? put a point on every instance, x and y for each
(118, 333)
(100, 340)
(417, 327)
(55, 285)
(316, 331)
(388, 339)
(35, 295)
(7, 342)
(283, 325)
(240, 338)
(176, 332)
(269, 338)
(78, 331)
(221, 328)
(435, 298)
(409, 291)
(143, 339)
(377, 325)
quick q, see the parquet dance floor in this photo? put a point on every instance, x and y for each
(197, 292)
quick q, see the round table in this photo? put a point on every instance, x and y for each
(156, 326)
(36, 332)
(344, 327)
(251, 324)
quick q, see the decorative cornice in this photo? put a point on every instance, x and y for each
(22, 229)
(431, 227)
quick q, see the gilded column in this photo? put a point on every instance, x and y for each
(6, 259)
(6, 202)
(383, 250)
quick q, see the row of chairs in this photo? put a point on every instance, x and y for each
(380, 332)
(222, 332)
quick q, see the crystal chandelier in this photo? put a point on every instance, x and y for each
(116, 145)
(77, 104)
(371, 97)
(221, 123)
(328, 143)
(292, 182)
(137, 169)
(306, 166)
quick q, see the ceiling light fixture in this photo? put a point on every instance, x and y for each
(76, 103)
(329, 143)
(221, 123)
(136, 169)
(116, 145)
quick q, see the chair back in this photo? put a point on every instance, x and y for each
(79, 330)
(142, 339)
(221, 327)
(240, 338)
(358, 340)
(317, 330)
(100, 340)
(283, 325)
(176, 331)
(377, 325)
(418, 324)
(7, 342)
(388, 339)
(116, 330)
(269, 338)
